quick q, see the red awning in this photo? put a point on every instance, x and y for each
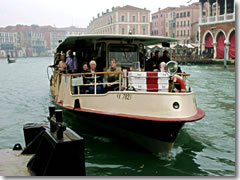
(231, 51)
(208, 41)
(220, 45)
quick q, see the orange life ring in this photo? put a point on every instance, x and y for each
(179, 80)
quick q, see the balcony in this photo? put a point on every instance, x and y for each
(217, 19)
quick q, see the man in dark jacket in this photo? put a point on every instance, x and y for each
(165, 57)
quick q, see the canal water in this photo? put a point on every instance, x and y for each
(203, 148)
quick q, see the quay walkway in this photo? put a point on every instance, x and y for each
(199, 59)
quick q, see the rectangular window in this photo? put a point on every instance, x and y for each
(181, 23)
(174, 24)
(188, 23)
(177, 24)
(122, 18)
(184, 33)
(122, 30)
(177, 33)
(184, 23)
(177, 15)
(181, 15)
(188, 32)
(133, 18)
(188, 13)
(144, 31)
(181, 32)
(184, 14)
(126, 54)
(144, 18)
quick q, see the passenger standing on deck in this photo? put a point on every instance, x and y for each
(156, 62)
(149, 62)
(90, 79)
(72, 62)
(112, 78)
(165, 57)
(62, 64)
(57, 59)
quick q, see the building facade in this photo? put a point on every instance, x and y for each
(8, 43)
(170, 24)
(179, 22)
(34, 40)
(121, 20)
(217, 28)
(187, 18)
(159, 21)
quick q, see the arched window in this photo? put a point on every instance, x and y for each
(208, 41)
(231, 51)
(220, 45)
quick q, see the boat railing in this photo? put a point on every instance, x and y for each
(77, 80)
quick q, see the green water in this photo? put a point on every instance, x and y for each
(203, 148)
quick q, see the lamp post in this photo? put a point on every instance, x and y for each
(225, 54)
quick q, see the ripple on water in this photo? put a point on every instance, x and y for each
(202, 148)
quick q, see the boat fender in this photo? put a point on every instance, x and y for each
(179, 80)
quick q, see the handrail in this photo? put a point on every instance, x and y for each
(95, 79)
(78, 74)
(183, 74)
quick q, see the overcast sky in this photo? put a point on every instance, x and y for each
(64, 13)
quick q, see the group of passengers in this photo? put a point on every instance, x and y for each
(70, 65)
(157, 62)
(111, 79)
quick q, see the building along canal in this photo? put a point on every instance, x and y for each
(202, 148)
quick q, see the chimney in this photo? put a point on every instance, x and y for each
(107, 10)
(159, 9)
(112, 8)
(98, 15)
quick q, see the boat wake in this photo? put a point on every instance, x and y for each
(170, 156)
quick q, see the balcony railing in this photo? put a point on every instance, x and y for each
(219, 18)
(212, 19)
(230, 16)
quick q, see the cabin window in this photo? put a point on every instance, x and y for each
(125, 54)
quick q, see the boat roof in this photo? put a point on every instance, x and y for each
(146, 40)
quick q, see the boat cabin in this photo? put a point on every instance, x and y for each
(130, 54)
(129, 50)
